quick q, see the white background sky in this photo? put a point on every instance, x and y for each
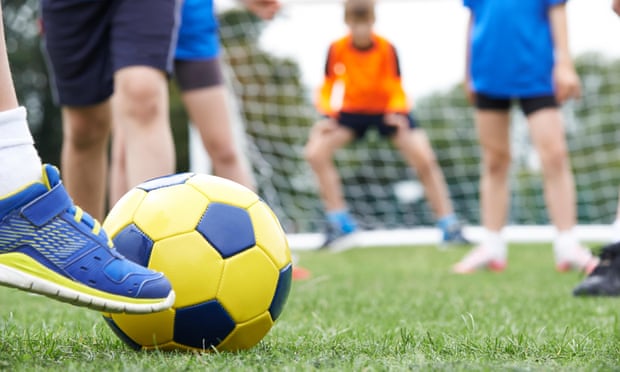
(429, 36)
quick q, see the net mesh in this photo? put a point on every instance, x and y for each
(275, 106)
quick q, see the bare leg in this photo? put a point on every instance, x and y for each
(493, 135)
(418, 153)
(8, 98)
(84, 158)
(208, 111)
(142, 105)
(547, 131)
(118, 167)
(325, 138)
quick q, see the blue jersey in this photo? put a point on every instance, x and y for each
(198, 35)
(512, 47)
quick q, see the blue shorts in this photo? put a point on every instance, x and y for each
(360, 123)
(86, 42)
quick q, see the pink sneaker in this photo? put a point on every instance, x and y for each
(480, 258)
(578, 258)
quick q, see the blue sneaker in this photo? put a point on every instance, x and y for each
(51, 247)
(337, 240)
(453, 236)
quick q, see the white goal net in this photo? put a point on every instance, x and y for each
(274, 69)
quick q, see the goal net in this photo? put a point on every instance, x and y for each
(274, 69)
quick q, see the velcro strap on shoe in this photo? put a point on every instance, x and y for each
(47, 206)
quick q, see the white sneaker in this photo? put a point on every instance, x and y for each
(576, 258)
(481, 257)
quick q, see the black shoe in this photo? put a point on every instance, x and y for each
(604, 280)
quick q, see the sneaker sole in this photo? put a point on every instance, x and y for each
(343, 243)
(496, 267)
(22, 272)
(564, 267)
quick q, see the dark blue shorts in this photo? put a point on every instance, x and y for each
(87, 41)
(360, 123)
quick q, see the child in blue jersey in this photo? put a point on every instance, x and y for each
(518, 51)
(47, 244)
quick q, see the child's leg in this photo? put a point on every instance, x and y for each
(84, 159)
(547, 132)
(325, 138)
(47, 245)
(416, 149)
(23, 165)
(19, 161)
(493, 135)
(208, 110)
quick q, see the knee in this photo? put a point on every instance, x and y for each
(554, 158)
(224, 156)
(86, 131)
(140, 98)
(315, 155)
(497, 164)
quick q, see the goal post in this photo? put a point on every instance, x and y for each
(273, 95)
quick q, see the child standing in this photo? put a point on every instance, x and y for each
(518, 50)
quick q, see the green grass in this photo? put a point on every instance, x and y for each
(367, 309)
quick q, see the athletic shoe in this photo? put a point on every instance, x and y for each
(51, 247)
(578, 258)
(453, 236)
(480, 258)
(604, 280)
(337, 240)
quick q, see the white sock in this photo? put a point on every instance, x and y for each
(615, 231)
(494, 241)
(565, 241)
(19, 160)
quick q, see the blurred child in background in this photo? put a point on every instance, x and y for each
(517, 50)
(364, 67)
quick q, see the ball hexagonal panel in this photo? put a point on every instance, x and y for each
(282, 291)
(132, 243)
(170, 210)
(193, 267)
(248, 284)
(228, 229)
(202, 326)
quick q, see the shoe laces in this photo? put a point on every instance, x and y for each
(80, 216)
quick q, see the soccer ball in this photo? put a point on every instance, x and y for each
(224, 252)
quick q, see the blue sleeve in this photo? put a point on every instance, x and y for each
(551, 3)
(468, 3)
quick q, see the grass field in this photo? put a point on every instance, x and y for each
(370, 309)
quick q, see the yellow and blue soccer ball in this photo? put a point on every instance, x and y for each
(224, 252)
